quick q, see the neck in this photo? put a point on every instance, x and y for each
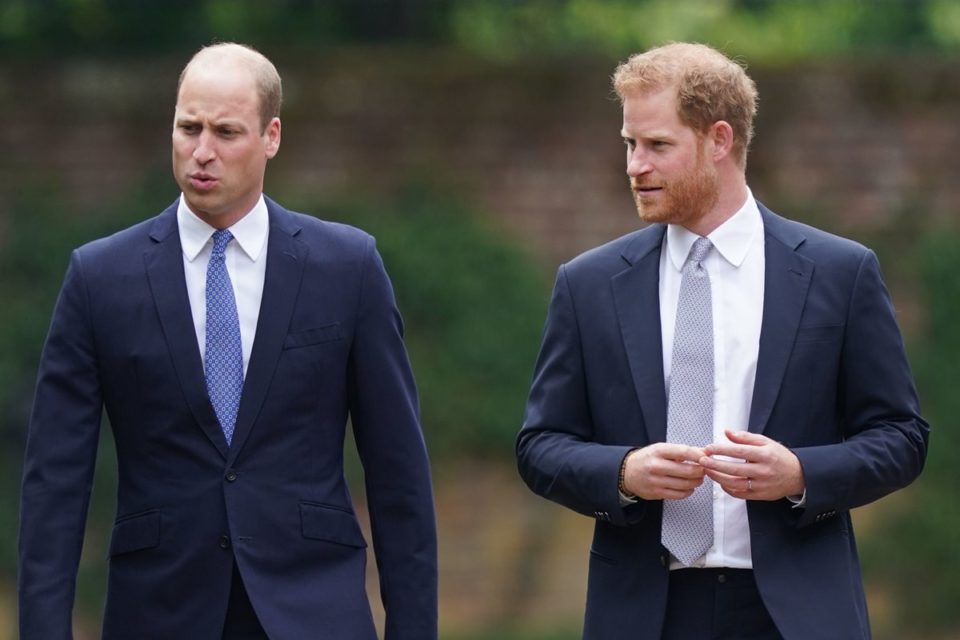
(732, 195)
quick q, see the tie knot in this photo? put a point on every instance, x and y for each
(699, 250)
(221, 238)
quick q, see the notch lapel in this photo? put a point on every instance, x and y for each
(637, 298)
(786, 282)
(164, 264)
(286, 257)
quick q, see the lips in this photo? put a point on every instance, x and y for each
(202, 181)
(646, 191)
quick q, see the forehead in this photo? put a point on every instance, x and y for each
(646, 112)
(218, 91)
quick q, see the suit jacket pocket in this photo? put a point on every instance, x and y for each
(596, 555)
(135, 532)
(332, 524)
(319, 335)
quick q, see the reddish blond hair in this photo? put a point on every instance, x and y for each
(710, 87)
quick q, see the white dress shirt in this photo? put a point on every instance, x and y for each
(246, 260)
(736, 268)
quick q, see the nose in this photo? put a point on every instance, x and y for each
(204, 151)
(637, 162)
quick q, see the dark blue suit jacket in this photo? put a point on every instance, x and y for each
(328, 346)
(832, 383)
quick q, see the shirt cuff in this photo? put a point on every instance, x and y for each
(798, 501)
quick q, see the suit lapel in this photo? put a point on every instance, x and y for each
(787, 280)
(164, 264)
(286, 256)
(637, 298)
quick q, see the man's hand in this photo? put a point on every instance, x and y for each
(663, 471)
(769, 470)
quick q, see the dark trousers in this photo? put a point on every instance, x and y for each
(241, 622)
(716, 604)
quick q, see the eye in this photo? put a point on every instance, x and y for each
(630, 143)
(189, 127)
(658, 144)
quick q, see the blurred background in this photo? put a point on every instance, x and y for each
(479, 141)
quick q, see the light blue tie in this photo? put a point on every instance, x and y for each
(688, 524)
(223, 354)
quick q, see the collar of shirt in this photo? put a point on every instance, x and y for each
(250, 231)
(732, 239)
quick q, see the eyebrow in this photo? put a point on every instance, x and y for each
(649, 135)
(229, 122)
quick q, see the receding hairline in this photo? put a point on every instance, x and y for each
(229, 53)
(235, 55)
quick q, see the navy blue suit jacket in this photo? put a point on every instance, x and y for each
(328, 346)
(832, 383)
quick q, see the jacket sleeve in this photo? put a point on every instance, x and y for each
(386, 423)
(556, 452)
(884, 438)
(58, 466)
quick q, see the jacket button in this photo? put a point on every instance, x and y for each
(224, 542)
(231, 475)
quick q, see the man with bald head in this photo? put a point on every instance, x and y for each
(230, 341)
(718, 389)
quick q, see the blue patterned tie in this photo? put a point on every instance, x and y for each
(688, 524)
(223, 355)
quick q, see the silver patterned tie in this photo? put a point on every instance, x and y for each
(688, 524)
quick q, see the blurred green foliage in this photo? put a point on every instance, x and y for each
(782, 30)
(914, 552)
(473, 306)
(771, 30)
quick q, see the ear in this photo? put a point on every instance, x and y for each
(720, 137)
(272, 134)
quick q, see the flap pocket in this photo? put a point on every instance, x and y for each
(136, 532)
(320, 522)
(326, 333)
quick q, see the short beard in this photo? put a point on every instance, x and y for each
(687, 200)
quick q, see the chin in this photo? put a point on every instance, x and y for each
(656, 216)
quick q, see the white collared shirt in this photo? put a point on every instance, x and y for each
(736, 267)
(246, 260)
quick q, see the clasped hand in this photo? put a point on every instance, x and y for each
(750, 466)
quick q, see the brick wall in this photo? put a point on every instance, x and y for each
(857, 147)
(536, 149)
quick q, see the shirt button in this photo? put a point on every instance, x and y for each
(231, 475)
(224, 542)
(721, 578)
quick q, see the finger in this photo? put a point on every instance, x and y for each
(730, 484)
(738, 469)
(675, 494)
(671, 492)
(679, 452)
(680, 470)
(741, 494)
(745, 437)
(680, 484)
(739, 452)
